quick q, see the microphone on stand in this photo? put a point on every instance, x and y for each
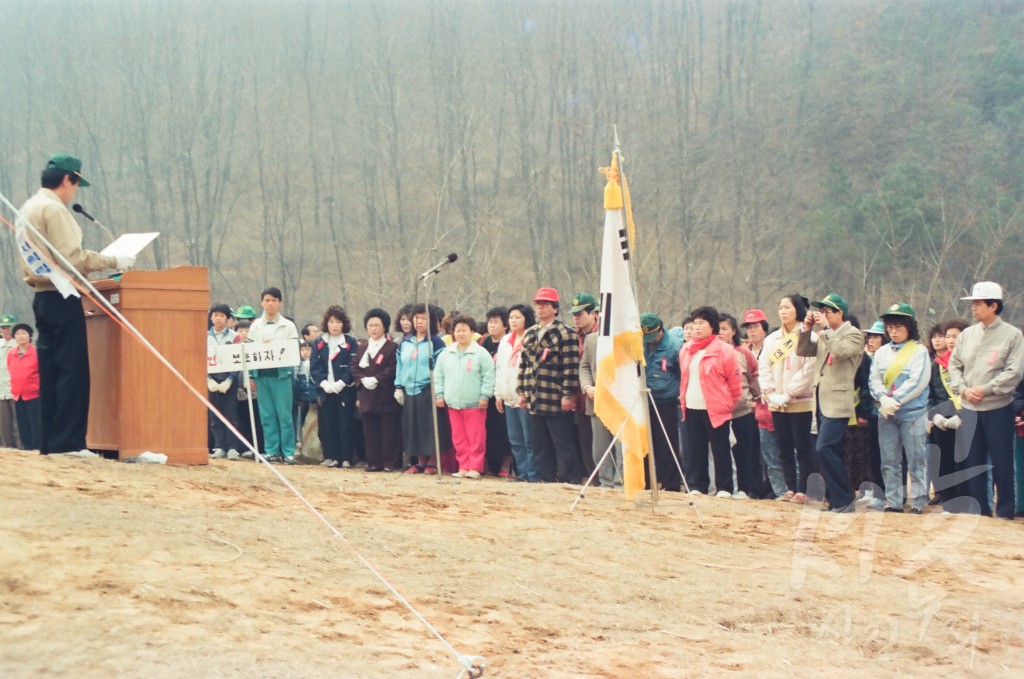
(437, 268)
(77, 207)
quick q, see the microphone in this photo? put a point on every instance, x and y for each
(77, 207)
(437, 268)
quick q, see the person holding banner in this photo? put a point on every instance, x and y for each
(274, 385)
(219, 385)
(47, 229)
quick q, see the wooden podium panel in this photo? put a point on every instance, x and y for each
(136, 404)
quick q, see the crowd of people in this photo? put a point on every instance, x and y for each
(738, 408)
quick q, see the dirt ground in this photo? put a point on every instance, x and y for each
(110, 569)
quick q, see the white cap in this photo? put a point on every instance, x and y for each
(986, 290)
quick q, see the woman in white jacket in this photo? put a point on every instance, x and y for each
(787, 386)
(506, 364)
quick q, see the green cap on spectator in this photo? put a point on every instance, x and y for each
(900, 309)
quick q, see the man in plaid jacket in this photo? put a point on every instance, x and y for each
(547, 387)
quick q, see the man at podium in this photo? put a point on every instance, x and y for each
(62, 344)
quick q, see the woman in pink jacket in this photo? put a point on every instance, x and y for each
(23, 364)
(709, 388)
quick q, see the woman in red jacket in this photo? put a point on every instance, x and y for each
(23, 365)
(709, 388)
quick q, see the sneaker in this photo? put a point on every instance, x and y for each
(233, 454)
(247, 455)
(346, 465)
(798, 498)
(894, 510)
(459, 474)
(290, 460)
(473, 474)
(723, 493)
(695, 492)
(867, 496)
(430, 470)
(917, 510)
(273, 459)
(78, 453)
(876, 504)
(218, 454)
(329, 463)
(740, 495)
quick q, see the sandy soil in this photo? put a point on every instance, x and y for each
(111, 569)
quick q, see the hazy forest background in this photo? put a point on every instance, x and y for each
(337, 149)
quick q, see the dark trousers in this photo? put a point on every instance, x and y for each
(796, 450)
(665, 461)
(336, 427)
(29, 423)
(383, 435)
(747, 453)
(63, 372)
(697, 435)
(585, 443)
(986, 437)
(941, 457)
(829, 450)
(498, 447)
(555, 454)
(875, 453)
(245, 424)
(219, 433)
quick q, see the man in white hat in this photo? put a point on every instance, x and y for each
(984, 370)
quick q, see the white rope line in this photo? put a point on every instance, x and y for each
(675, 457)
(472, 666)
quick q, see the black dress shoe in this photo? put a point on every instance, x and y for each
(894, 510)
(374, 469)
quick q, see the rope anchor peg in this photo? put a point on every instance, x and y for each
(472, 665)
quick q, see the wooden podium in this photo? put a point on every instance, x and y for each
(136, 404)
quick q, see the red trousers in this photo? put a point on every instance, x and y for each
(469, 436)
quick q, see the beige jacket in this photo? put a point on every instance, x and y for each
(53, 220)
(837, 356)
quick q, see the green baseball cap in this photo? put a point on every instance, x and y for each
(69, 164)
(877, 328)
(581, 301)
(900, 309)
(650, 324)
(246, 312)
(8, 319)
(833, 301)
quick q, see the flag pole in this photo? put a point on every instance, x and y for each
(626, 210)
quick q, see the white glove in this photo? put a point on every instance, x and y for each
(777, 401)
(400, 397)
(326, 386)
(339, 386)
(953, 422)
(212, 384)
(939, 421)
(225, 386)
(125, 262)
(370, 383)
(887, 407)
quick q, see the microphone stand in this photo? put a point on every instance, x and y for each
(430, 362)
